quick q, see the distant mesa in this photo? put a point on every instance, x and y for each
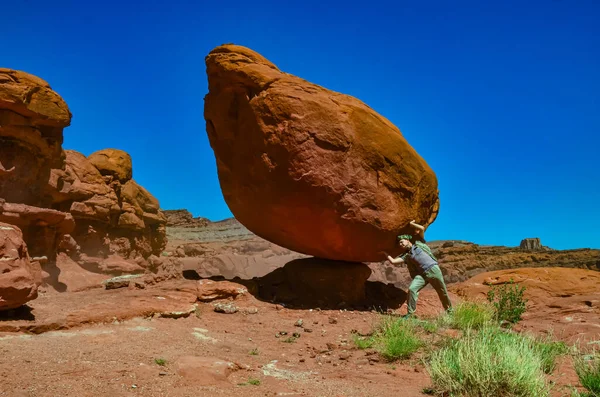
(309, 169)
(184, 218)
(532, 244)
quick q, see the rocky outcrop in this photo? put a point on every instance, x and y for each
(113, 162)
(43, 227)
(467, 261)
(246, 259)
(566, 301)
(90, 208)
(309, 169)
(19, 277)
(225, 248)
(184, 218)
(532, 244)
(113, 215)
(549, 282)
(32, 118)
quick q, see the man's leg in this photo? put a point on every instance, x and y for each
(416, 285)
(436, 279)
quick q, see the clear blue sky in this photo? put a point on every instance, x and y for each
(501, 98)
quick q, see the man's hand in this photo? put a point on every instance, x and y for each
(416, 225)
(387, 256)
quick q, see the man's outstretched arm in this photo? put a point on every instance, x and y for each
(417, 226)
(420, 230)
(395, 261)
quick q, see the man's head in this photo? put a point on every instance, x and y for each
(404, 241)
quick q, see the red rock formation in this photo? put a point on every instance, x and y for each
(539, 283)
(565, 301)
(90, 208)
(123, 216)
(184, 218)
(19, 278)
(209, 290)
(32, 118)
(464, 261)
(309, 169)
(113, 162)
(43, 227)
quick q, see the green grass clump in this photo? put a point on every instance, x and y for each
(588, 371)
(489, 362)
(429, 326)
(254, 381)
(471, 315)
(254, 352)
(160, 361)
(548, 350)
(397, 338)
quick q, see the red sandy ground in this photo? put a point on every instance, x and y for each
(105, 342)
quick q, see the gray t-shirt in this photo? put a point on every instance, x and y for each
(418, 261)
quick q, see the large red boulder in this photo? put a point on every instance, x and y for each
(310, 169)
(19, 278)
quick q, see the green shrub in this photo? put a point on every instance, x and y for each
(588, 371)
(489, 362)
(397, 338)
(160, 361)
(508, 301)
(471, 315)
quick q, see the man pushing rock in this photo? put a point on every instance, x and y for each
(422, 266)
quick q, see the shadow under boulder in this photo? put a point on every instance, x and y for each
(321, 283)
(315, 281)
